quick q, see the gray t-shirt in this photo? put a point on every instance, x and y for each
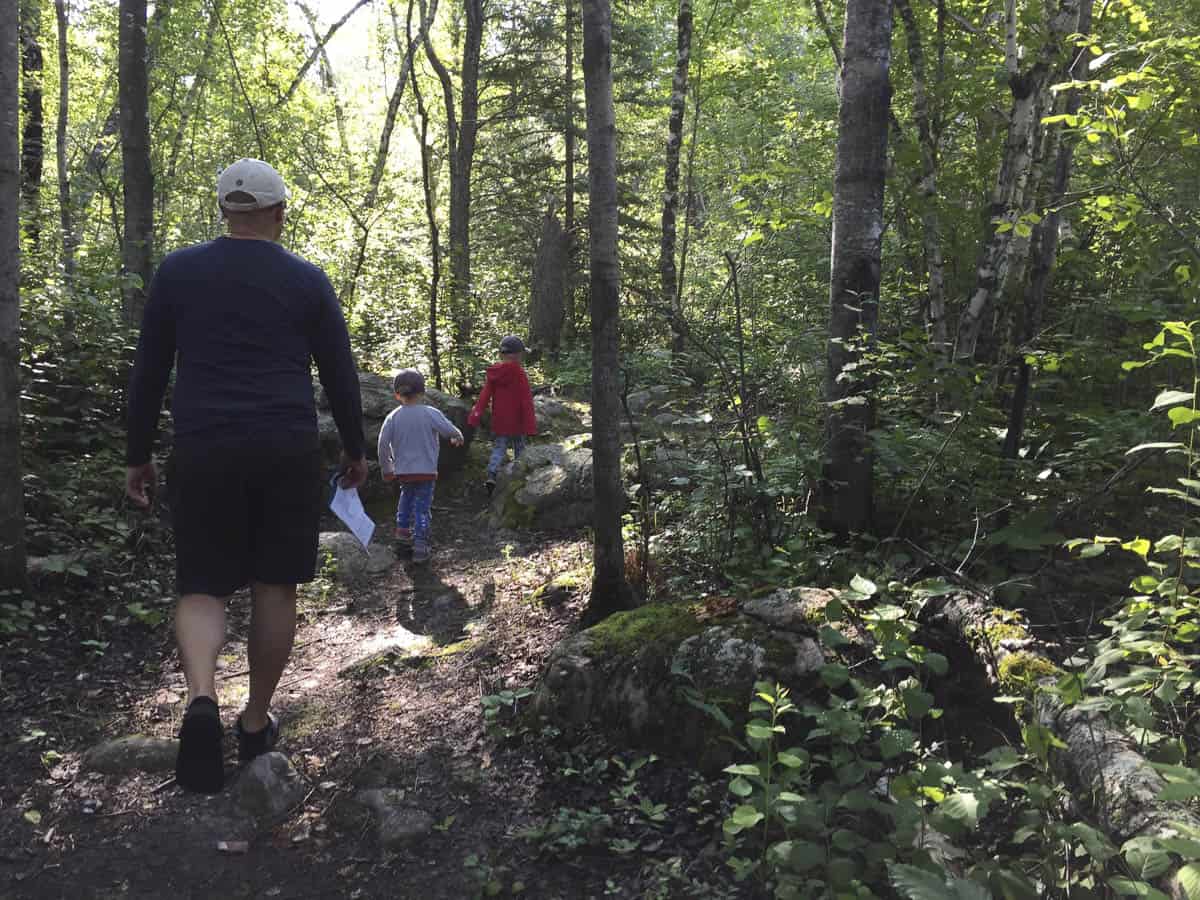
(408, 441)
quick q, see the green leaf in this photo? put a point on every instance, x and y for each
(937, 664)
(1171, 398)
(746, 769)
(1182, 415)
(917, 702)
(793, 760)
(740, 787)
(962, 807)
(863, 586)
(746, 816)
(1189, 879)
(917, 884)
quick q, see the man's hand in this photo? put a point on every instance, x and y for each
(354, 472)
(456, 442)
(141, 483)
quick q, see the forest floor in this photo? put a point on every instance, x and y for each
(517, 814)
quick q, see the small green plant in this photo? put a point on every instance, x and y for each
(500, 712)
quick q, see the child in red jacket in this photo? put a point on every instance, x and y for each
(507, 389)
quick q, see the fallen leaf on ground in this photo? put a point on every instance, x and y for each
(233, 846)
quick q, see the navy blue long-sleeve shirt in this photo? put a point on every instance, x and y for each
(242, 320)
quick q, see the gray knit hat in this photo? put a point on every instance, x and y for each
(408, 382)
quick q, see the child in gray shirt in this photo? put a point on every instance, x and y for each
(408, 452)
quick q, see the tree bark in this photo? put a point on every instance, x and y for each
(1045, 247)
(462, 130)
(569, 325)
(668, 276)
(610, 591)
(927, 184)
(854, 285)
(12, 504)
(60, 144)
(96, 163)
(1100, 763)
(33, 149)
(435, 243)
(546, 290)
(1030, 90)
(137, 248)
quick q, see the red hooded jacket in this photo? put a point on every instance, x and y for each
(507, 389)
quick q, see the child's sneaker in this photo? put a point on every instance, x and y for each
(404, 536)
(489, 486)
(420, 553)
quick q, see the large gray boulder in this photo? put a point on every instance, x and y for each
(268, 787)
(132, 753)
(550, 486)
(350, 562)
(624, 675)
(397, 823)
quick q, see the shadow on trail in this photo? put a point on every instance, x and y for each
(437, 608)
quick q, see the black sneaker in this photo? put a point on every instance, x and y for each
(199, 766)
(256, 743)
(489, 486)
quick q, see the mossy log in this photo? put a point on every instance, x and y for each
(1108, 777)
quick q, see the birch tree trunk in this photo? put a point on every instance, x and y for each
(927, 185)
(138, 242)
(854, 284)
(568, 107)
(668, 276)
(1030, 91)
(610, 591)
(12, 508)
(1045, 246)
(60, 144)
(33, 149)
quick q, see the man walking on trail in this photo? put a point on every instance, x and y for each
(241, 319)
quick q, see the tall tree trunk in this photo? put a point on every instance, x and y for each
(12, 503)
(60, 144)
(462, 129)
(668, 276)
(33, 149)
(854, 283)
(546, 289)
(137, 248)
(1030, 91)
(927, 185)
(1045, 246)
(385, 141)
(95, 166)
(568, 108)
(610, 591)
(435, 243)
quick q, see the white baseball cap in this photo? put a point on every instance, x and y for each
(250, 184)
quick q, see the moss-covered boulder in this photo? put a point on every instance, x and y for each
(644, 677)
(549, 487)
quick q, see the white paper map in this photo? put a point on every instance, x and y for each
(347, 506)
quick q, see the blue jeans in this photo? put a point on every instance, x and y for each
(416, 510)
(500, 449)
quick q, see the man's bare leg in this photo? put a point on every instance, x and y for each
(272, 633)
(200, 632)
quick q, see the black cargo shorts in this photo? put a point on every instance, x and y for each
(245, 510)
